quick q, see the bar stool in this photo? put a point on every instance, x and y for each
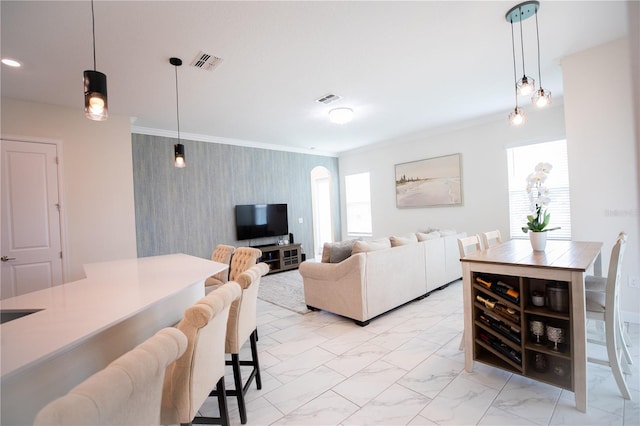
(126, 392)
(223, 254)
(190, 379)
(603, 306)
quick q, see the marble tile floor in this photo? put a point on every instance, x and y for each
(405, 368)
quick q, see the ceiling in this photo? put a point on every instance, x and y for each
(404, 67)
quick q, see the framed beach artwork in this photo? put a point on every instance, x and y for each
(431, 182)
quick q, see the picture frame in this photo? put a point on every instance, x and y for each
(430, 182)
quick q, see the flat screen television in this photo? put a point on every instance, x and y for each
(261, 220)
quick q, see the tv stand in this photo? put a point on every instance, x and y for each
(281, 257)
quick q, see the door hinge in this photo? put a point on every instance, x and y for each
(60, 255)
(58, 206)
(57, 160)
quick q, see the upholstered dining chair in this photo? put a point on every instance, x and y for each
(242, 326)
(243, 258)
(223, 254)
(468, 245)
(603, 306)
(126, 392)
(491, 238)
(191, 378)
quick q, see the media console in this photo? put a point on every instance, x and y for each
(281, 257)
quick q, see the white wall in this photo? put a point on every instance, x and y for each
(601, 162)
(97, 181)
(602, 158)
(484, 174)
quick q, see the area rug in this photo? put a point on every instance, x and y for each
(285, 290)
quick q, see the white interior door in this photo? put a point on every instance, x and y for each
(31, 241)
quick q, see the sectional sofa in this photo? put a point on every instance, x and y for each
(364, 279)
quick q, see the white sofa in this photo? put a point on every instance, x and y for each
(367, 284)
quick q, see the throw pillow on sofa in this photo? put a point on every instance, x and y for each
(404, 240)
(427, 236)
(337, 252)
(372, 245)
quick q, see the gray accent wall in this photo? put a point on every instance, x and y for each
(191, 210)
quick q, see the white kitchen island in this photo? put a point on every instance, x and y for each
(80, 327)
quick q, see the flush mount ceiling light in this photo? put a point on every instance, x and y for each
(178, 149)
(95, 86)
(11, 62)
(341, 115)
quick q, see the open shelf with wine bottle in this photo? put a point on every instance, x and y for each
(513, 333)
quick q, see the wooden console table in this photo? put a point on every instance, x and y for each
(282, 257)
(516, 264)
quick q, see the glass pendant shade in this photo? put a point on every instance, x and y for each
(517, 117)
(541, 98)
(526, 86)
(179, 155)
(96, 106)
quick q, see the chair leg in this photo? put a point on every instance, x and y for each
(254, 357)
(223, 420)
(240, 388)
(237, 379)
(612, 330)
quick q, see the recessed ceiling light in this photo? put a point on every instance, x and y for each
(11, 62)
(341, 115)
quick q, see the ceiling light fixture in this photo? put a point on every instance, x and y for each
(526, 85)
(178, 149)
(541, 98)
(517, 116)
(341, 115)
(11, 62)
(95, 86)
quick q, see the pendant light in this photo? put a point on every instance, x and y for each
(526, 85)
(96, 106)
(541, 98)
(178, 149)
(517, 116)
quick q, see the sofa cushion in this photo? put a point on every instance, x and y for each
(403, 240)
(372, 245)
(337, 252)
(422, 236)
(448, 232)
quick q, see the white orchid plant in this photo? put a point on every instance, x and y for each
(538, 194)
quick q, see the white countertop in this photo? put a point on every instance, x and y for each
(72, 312)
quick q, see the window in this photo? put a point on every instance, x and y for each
(521, 162)
(358, 203)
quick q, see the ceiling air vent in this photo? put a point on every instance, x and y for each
(327, 99)
(206, 62)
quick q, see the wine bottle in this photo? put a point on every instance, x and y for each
(500, 309)
(500, 346)
(502, 289)
(504, 329)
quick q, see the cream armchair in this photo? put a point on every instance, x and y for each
(193, 376)
(126, 392)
